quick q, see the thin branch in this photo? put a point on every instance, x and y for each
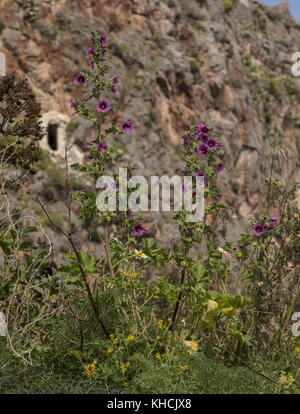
(82, 272)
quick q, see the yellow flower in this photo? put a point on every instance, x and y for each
(76, 354)
(286, 380)
(131, 274)
(89, 370)
(212, 305)
(160, 324)
(180, 369)
(192, 345)
(158, 356)
(297, 352)
(276, 182)
(296, 215)
(298, 235)
(140, 254)
(124, 367)
(108, 351)
(130, 338)
(113, 339)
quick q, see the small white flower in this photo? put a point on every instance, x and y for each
(140, 254)
(222, 251)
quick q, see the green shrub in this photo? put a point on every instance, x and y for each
(194, 67)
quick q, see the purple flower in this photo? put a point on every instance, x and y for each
(202, 150)
(114, 88)
(90, 50)
(103, 58)
(103, 105)
(90, 62)
(273, 222)
(204, 138)
(138, 229)
(240, 246)
(212, 143)
(220, 167)
(200, 173)
(258, 229)
(80, 79)
(102, 147)
(202, 128)
(73, 103)
(129, 213)
(103, 40)
(127, 126)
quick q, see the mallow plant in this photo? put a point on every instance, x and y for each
(123, 317)
(134, 308)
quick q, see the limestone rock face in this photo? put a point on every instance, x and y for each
(180, 62)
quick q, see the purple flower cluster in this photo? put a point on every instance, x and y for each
(199, 138)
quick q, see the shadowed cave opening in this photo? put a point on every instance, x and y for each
(52, 136)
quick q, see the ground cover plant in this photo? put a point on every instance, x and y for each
(215, 316)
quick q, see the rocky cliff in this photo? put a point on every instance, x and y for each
(223, 63)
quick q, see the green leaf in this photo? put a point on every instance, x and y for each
(29, 229)
(78, 167)
(5, 246)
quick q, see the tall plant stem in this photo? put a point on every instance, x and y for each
(177, 305)
(82, 272)
(107, 251)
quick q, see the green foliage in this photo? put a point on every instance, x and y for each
(194, 67)
(20, 128)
